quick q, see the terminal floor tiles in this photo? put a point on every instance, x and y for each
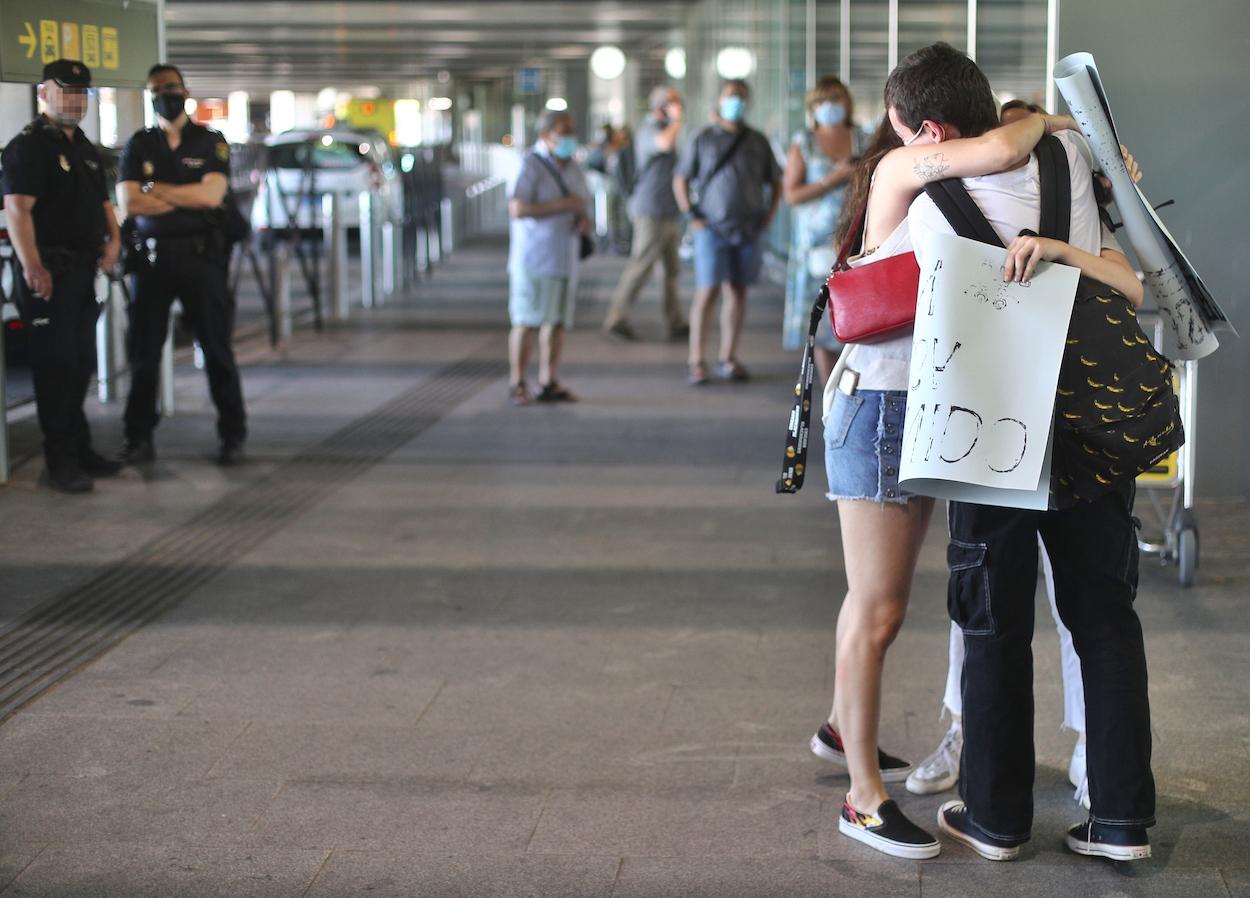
(427, 644)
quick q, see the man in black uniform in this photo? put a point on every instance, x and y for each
(174, 179)
(63, 227)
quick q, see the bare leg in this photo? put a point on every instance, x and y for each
(520, 346)
(732, 314)
(550, 342)
(701, 320)
(881, 543)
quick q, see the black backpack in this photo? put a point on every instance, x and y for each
(1116, 412)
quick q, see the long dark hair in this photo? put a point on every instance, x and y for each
(884, 140)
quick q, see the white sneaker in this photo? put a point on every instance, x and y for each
(939, 771)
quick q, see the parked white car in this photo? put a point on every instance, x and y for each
(345, 163)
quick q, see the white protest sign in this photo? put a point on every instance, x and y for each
(1186, 306)
(984, 365)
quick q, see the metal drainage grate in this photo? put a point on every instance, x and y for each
(63, 635)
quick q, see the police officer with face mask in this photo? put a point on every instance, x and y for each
(63, 228)
(174, 180)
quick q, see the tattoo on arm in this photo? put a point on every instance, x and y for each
(931, 167)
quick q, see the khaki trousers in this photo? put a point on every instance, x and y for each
(655, 240)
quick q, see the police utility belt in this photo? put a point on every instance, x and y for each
(146, 250)
(63, 258)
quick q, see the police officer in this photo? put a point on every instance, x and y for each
(174, 180)
(63, 228)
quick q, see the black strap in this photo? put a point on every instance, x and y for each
(794, 465)
(724, 159)
(964, 215)
(555, 172)
(1056, 189)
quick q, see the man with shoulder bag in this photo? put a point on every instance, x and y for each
(728, 184)
(1045, 209)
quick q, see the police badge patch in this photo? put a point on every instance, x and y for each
(148, 169)
(223, 152)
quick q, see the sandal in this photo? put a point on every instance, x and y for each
(553, 392)
(732, 369)
(518, 394)
(698, 375)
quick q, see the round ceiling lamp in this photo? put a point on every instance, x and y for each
(735, 62)
(675, 63)
(607, 63)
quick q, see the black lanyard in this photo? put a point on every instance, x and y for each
(794, 466)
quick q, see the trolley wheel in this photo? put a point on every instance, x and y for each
(1187, 555)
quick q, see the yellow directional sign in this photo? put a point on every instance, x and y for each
(29, 41)
(116, 39)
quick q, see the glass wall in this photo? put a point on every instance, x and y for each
(791, 43)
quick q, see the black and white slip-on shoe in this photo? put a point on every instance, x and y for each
(1095, 840)
(953, 820)
(827, 744)
(889, 831)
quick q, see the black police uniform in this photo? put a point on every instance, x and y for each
(66, 177)
(182, 256)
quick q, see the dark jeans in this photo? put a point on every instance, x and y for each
(208, 309)
(993, 562)
(60, 338)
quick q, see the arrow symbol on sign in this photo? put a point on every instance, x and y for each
(28, 40)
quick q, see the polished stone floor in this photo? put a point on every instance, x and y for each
(549, 651)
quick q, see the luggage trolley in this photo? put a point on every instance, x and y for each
(1169, 485)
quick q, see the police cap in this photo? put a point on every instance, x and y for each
(67, 73)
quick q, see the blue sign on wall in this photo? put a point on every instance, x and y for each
(529, 81)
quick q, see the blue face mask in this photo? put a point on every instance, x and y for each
(733, 108)
(565, 147)
(830, 114)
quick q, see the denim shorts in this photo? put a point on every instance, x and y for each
(717, 260)
(863, 440)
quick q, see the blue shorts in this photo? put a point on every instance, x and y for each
(863, 441)
(717, 260)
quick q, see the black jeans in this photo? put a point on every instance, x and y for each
(60, 338)
(208, 309)
(993, 562)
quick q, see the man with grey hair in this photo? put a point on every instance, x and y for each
(547, 202)
(657, 220)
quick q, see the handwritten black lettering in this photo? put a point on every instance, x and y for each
(1024, 444)
(977, 433)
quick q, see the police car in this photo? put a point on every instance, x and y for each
(306, 164)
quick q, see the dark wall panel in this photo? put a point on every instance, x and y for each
(1176, 77)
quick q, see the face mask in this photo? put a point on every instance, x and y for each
(830, 114)
(169, 106)
(565, 147)
(733, 108)
(920, 132)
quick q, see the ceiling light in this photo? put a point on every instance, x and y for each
(607, 63)
(675, 63)
(735, 62)
(440, 104)
(558, 104)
